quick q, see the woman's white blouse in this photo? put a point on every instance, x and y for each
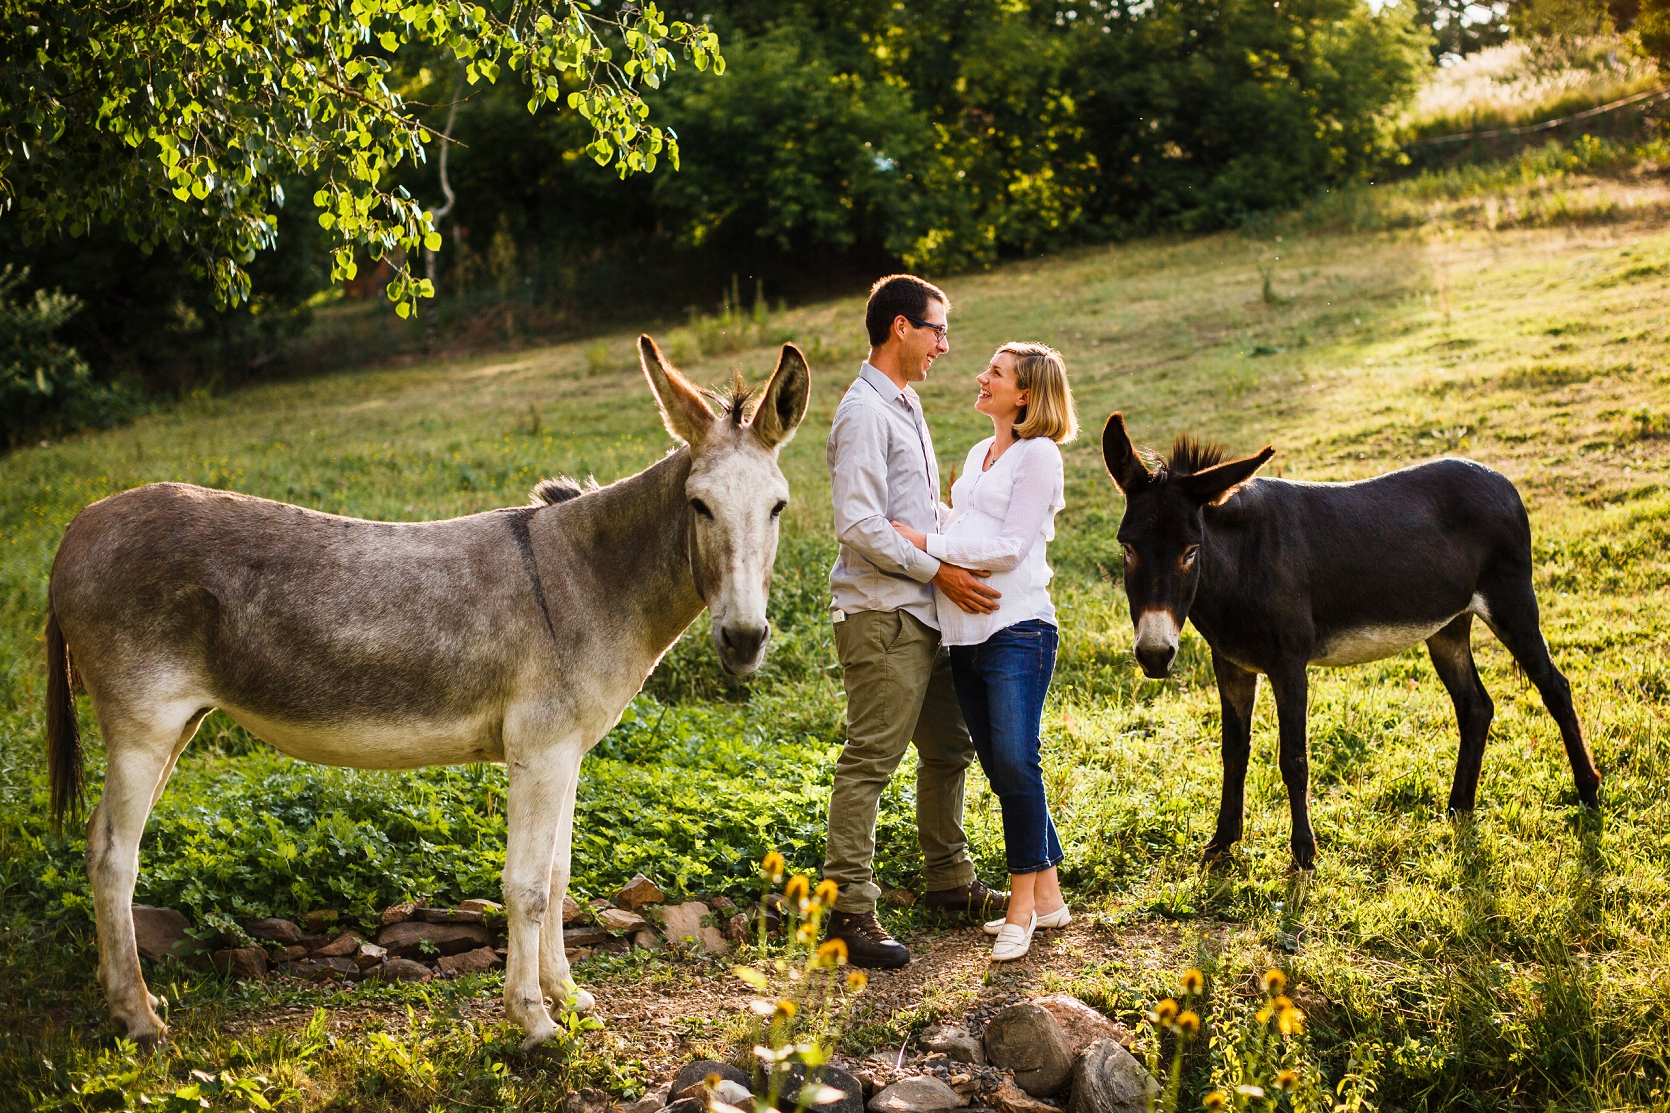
(1000, 522)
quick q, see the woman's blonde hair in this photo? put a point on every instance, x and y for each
(1040, 369)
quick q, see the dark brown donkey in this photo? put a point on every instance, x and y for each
(515, 636)
(1278, 575)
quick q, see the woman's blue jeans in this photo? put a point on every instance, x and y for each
(1001, 684)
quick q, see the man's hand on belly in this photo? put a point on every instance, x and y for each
(965, 589)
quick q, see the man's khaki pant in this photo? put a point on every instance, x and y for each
(898, 681)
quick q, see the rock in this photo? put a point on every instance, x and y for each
(646, 940)
(615, 945)
(469, 962)
(1108, 1080)
(571, 909)
(583, 936)
(340, 947)
(650, 1102)
(733, 1093)
(450, 916)
(736, 928)
(619, 921)
(319, 920)
(163, 933)
(1081, 1024)
(404, 940)
(398, 914)
(899, 898)
(588, 1101)
(335, 968)
(721, 904)
(852, 1093)
(955, 1042)
(684, 921)
(637, 893)
(580, 954)
(695, 1073)
(404, 970)
(282, 932)
(368, 955)
(1026, 1039)
(485, 907)
(923, 1094)
(298, 969)
(686, 1105)
(242, 962)
(1010, 1098)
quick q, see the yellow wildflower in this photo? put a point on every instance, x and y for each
(826, 893)
(797, 888)
(787, 1008)
(1274, 982)
(1215, 1101)
(833, 952)
(772, 866)
(857, 980)
(1188, 1022)
(1165, 1012)
(1290, 1021)
(1287, 1081)
(1193, 982)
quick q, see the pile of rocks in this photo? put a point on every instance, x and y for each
(1039, 1055)
(414, 942)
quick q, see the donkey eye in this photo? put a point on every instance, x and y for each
(1189, 555)
(700, 507)
(1130, 553)
(778, 509)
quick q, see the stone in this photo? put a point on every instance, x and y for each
(955, 1042)
(899, 898)
(693, 1074)
(1010, 1098)
(684, 921)
(335, 968)
(485, 907)
(1081, 1024)
(687, 1105)
(1108, 1079)
(368, 955)
(405, 940)
(588, 1101)
(615, 945)
(282, 932)
(398, 914)
(649, 1103)
(923, 1094)
(340, 947)
(637, 893)
(404, 970)
(584, 936)
(302, 968)
(646, 940)
(721, 904)
(162, 933)
(450, 916)
(734, 1093)
(1027, 1040)
(580, 954)
(477, 961)
(620, 921)
(736, 928)
(241, 962)
(319, 920)
(852, 1093)
(571, 909)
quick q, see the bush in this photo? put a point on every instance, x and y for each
(45, 386)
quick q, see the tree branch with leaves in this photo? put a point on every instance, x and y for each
(179, 121)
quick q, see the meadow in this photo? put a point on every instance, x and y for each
(1514, 959)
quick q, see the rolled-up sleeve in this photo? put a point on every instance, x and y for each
(858, 477)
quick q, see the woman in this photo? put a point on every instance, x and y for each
(1003, 514)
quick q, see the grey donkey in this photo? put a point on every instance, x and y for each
(515, 636)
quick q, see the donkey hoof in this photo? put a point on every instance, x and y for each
(579, 1001)
(538, 1034)
(1217, 851)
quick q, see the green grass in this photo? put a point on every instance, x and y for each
(1514, 960)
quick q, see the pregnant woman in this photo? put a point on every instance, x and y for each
(1003, 511)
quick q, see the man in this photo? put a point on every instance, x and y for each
(898, 677)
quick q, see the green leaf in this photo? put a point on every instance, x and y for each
(432, 241)
(404, 309)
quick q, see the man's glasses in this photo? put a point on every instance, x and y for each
(939, 330)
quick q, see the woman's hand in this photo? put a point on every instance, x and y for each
(915, 537)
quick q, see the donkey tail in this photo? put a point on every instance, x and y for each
(63, 731)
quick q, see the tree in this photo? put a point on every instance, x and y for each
(180, 120)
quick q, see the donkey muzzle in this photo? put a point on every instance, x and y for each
(741, 645)
(1156, 643)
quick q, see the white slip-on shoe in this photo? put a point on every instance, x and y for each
(1013, 941)
(1060, 918)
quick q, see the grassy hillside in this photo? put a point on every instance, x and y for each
(1516, 959)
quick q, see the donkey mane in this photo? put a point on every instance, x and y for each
(1189, 455)
(734, 406)
(549, 492)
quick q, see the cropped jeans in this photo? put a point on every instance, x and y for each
(1001, 684)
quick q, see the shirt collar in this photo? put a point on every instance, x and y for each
(886, 387)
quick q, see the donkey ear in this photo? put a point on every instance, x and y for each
(683, 411)
(785, 399)
(1120, 455)
(1216, 484)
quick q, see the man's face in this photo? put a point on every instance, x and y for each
(919, 347)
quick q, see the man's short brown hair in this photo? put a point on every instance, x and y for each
(895, 296)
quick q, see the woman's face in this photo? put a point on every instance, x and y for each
(1001, 398)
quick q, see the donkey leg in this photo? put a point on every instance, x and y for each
(1512, 616)
(539, 780)
(554, 977)
(1291, 687)
(139, 756)
(1237, 691)
(1452, 657)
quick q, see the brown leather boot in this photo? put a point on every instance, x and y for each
(868, 943)
(973, 899)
